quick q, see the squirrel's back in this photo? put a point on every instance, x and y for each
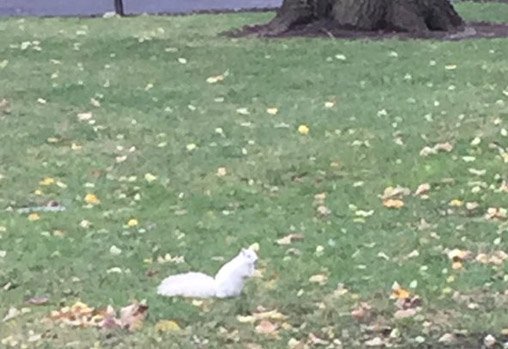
(194, 285)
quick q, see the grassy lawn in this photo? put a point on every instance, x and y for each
(154, 115)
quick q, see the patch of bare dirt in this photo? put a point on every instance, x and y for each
(325, 28)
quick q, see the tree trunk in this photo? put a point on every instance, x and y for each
(417, 16)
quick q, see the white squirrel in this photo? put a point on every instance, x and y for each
(228, 282)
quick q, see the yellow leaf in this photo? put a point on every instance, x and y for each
(47, 181)
(303, 129)
(167, 326)
(33, 217)
(132, 222)
(456, 203)
(92, 199)
(393, 203)
(398, 292)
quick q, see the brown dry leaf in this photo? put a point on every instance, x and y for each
(362, 311)
(266, 327)
(288, 239)
(393, 203)
(405, 313)
(82, 315)
(422, 189)
(495, 258)
(457, 255)
(315, 340)
(133, 315)
(446, 147)
(496, 213)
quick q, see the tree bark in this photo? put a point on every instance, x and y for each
(417, 16)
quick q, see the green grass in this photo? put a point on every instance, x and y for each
(273, 174)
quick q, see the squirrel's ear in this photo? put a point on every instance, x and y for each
(243, 251)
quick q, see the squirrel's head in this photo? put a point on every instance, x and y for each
(249, 254)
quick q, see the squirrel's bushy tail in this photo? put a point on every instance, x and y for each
(194, 285)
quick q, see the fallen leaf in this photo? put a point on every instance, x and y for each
(242, 111)
(288, 239)
(254, 247)
(92, 199)
(405, 313)
(393, 203)
(222, 171)
(133, 315)
(395, 192)
(246, 319)
(472, 205)
(375, 342)
(167, 326)
(38, 300)
(115, 251)
(303, 129)
(33, 217)
(215, 79)
(272, 111)
(422, 189)
(489, 341)
(11, 314)
(266, 327)
(150, 177)
(458, 255)
(85, 116)
(446, 147)
(448, 338)
(318, 279)
(132, 222)
(398, 292)
(47, 181)
(322, 210)
(361, 312)
(496, 213)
